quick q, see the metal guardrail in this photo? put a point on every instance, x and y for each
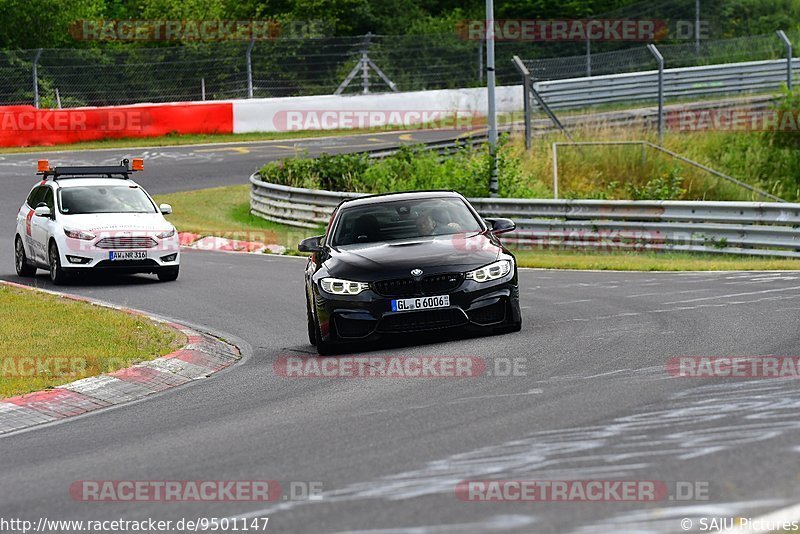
(750, 228)
(688, 82)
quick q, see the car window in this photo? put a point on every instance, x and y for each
(104, 199)
(48, 199)
(404, 220)
(36, 196)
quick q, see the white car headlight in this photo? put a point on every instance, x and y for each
(79, 234)
(337, 286)
(493, 271)
(165, 235)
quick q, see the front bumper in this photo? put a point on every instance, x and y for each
(85, 256)
(369, 315)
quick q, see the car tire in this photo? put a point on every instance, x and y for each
(324, 348)
(57, 274)
(169, 274)
(312, 328)
(24, 269)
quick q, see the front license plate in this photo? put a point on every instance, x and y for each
(421, 303)
(127, 255)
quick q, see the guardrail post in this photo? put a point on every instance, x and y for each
(249, 55)
(526, 97)
(36, 78)
(656, 54)
(788, 44)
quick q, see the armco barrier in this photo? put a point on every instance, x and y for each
(750, 228)
(687, 82)
(28, 126)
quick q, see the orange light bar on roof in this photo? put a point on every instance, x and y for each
(138, 164)
(44, 165)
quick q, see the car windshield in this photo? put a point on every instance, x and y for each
(405, 219)
(104, 199)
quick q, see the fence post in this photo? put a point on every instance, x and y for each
(526, 97)
(36, 78)
(588, 56)
(249, 55)
(203, 88)
(788, 45)
(656, 54)
(58, 99)
(697, 27)
(365, 64)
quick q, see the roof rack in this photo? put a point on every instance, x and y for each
(124, 170)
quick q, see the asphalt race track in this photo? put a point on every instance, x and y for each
(595, 400)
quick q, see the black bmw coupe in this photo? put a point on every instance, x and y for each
(408, 262)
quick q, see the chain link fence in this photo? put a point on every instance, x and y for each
(317, 66)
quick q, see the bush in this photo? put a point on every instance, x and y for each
(412, 168)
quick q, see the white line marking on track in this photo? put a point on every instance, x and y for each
(736, 295)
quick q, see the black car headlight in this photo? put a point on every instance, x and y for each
(493, 271)
(337, 286)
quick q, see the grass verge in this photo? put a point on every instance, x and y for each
(195, 139)
(91, 340)
(225, 211)
(649, 261)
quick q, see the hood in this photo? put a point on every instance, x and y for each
(396, 259)
(118, 222)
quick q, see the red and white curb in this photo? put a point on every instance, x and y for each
(202, 356)
(221, 244)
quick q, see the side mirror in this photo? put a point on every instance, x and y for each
(501, 226)
(43, 211)
(312, 244)
(166, 209)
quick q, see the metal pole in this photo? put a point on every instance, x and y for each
(250, 68)
(526, 97)
(203, 88)
(653, 50)
(58, 99)
(365, 65)
(36, 78)
(480, 62)
(491, 81)
(788, 45)
(555, 171)
(588, 56)
(526, 81)
(697, 27)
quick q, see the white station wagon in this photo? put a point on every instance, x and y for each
(88, 219)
